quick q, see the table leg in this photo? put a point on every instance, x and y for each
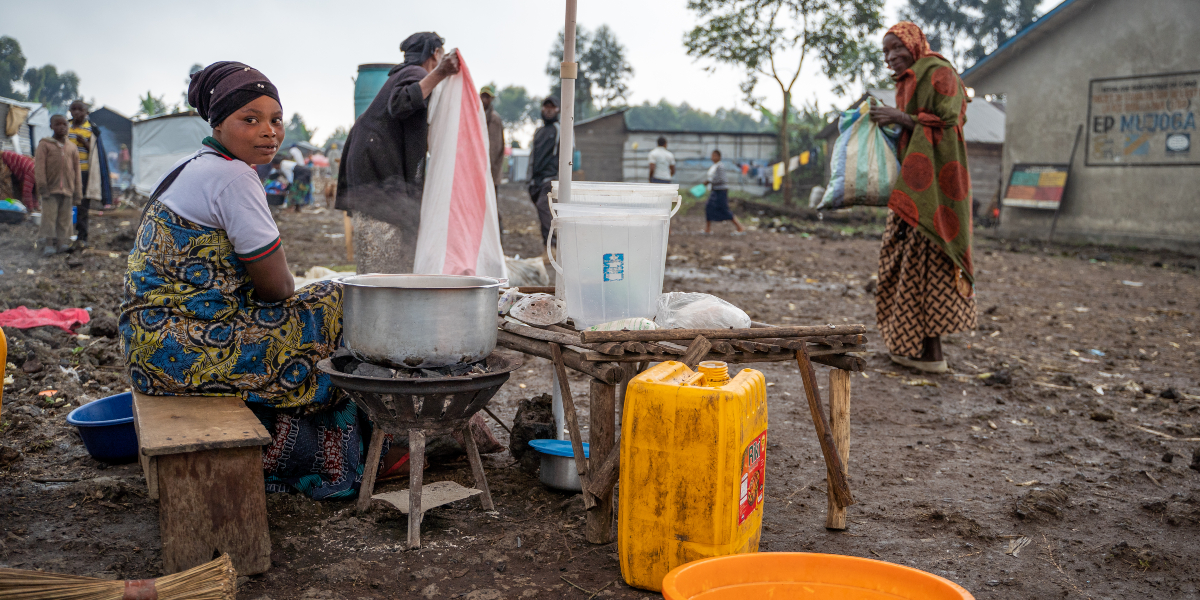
(370, 469)
(602, 419)
(477, 467)
(416, 470)
(839, 422)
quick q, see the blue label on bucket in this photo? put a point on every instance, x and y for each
(614, 267)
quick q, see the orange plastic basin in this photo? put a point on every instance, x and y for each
(789, 575)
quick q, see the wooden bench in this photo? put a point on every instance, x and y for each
(202, 456)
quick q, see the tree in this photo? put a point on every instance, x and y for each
(48, 86)
(515, 107)
(762, 35)
(967, 30)
(665, 116)
(999, 20)
(603, 71)
(297, 130)
(151, 106)
(338, 137)
(12, 66)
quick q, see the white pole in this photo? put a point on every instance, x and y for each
(568, 71)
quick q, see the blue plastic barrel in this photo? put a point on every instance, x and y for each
(370, 79)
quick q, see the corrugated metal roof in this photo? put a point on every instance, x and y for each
(985, 122)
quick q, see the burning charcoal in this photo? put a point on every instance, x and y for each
(370, 370)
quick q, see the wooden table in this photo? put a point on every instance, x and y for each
(612, 358)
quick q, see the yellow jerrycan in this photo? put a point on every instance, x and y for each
(693, 463)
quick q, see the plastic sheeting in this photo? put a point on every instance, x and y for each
(160, 142)
(459, 233)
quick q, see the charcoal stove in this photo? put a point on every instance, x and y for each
(420, 407)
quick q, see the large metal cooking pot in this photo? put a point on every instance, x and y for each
(419, 321)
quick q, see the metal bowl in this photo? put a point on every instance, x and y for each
(558, 464)
(419, 321)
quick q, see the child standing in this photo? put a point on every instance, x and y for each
(717, 208)
(59, 184)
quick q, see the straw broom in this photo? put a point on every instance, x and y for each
(210, 581)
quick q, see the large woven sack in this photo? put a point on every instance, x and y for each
(863, 163)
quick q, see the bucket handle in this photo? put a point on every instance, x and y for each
(675, 206)
(549, 250)
(678, 205)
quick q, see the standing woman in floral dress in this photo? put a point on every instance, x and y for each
(926, 279)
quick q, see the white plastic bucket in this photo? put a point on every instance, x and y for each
(611, 267)
(616, 195)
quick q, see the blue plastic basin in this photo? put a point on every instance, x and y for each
(106, 427)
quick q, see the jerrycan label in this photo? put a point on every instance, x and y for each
(614, 267)
(754, 472)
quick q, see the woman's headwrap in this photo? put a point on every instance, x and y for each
(420, 46)
(218, 90)
(914, 39)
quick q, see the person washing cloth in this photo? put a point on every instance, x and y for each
(662, 163)
(60, 184)
(381, 176)
(717, 208)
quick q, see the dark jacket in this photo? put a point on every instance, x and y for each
(543, 157)
(382, 169)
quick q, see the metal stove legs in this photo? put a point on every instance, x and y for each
(416, 474)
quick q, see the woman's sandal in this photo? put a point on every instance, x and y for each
(928, 366)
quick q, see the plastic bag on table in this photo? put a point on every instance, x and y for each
(863, 164)
(689, 310)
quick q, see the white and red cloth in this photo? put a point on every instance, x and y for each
(460, 233)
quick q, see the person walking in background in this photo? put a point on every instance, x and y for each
(60, 184)
(21, 169)
(543, 162)
(926, 280)
(382, 175)
(296, 154)
(86, 137)
(335, 159)
(662, 163)
(495, 127)
(717, 208)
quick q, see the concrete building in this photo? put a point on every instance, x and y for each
(1128, 73)
(610, 150)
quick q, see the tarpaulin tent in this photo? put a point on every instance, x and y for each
(27, 131)
(159, 142)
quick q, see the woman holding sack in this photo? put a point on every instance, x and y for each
(926, 279)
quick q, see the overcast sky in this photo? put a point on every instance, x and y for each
(135, 45)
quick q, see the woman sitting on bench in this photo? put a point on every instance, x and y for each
(210, 307)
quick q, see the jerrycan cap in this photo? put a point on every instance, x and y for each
(716, 373)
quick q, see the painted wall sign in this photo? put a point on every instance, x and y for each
(1036, 186)
(1148, 120)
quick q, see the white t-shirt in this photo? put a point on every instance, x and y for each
(216, 192)
(663, 160)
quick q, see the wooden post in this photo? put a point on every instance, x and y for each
(602, 418)
(572, 418)
(833, 462)
(370, 469)
(477, 467)
(416, 471)
(839, 422)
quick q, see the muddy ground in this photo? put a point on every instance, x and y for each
(1075, 450)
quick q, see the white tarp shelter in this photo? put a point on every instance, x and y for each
(159, 142)
(35, 127)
